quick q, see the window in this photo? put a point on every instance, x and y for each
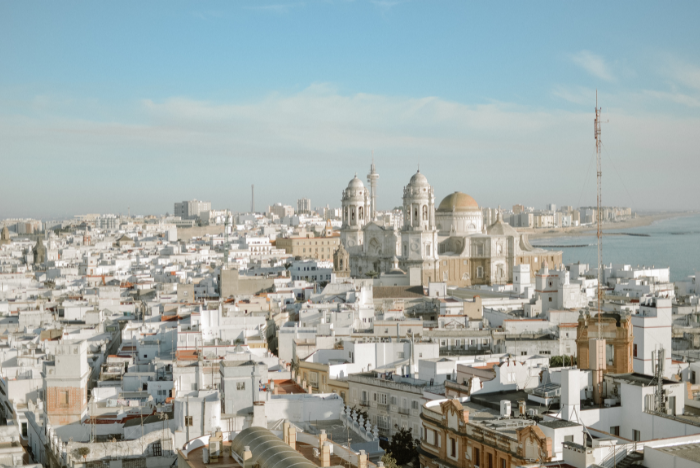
(480, 272)
(523, 353)
(414, 405)
(615, 430)
(157, 449)
(634, 351)
(240, 385)
(453, 447)
(393, 400)
(636, 435)
(188, 420)
(24, 429)
(383, 399)
(63, 398)
(476, 456)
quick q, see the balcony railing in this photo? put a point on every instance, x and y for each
(364, 403)
(405, 411)
(383, 406)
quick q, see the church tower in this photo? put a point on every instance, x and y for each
(419, 236)
(372, 179)
(355, 206)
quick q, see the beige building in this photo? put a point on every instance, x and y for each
(310, 246)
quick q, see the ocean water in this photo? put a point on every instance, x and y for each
(672, 242)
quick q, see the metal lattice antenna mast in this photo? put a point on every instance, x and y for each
(599, 215)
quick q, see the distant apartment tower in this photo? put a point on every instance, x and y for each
(191, 209)
(552, 207)
(107, 222)
(280, 210)
(304, 206)
(517, 209)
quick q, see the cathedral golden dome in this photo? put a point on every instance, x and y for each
(458, 201)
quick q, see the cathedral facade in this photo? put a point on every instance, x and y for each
(449, 244)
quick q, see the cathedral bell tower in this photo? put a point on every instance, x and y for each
(356, 206)
(419, 237)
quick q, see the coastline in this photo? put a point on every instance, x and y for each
(580, 231)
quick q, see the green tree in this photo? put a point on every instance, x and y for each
(562, 361)
(403, 445)
(389, 460)
(371, 274)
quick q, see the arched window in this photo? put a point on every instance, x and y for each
(425, 212)
(415, 213)
(345, 214)
(360, 213)
(352, 214)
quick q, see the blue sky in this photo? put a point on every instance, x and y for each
(111, 105)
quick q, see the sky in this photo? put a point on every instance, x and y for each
(110, 107)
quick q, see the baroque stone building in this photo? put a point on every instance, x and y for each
(458, 436)
(448, 244)
(616, 330)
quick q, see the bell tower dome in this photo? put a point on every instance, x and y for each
(355, 206)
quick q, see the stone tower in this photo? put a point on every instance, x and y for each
(355, 206)
(372, 179)
(419, 237)
(5, 236)
(39, 252)
(341, 262)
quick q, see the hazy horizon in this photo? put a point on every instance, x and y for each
(109, 106)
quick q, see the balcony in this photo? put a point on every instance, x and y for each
(405, 411)
(364, 403)
(384, 406)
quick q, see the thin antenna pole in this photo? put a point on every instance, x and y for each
(598, 145)
(599, 216)
(252, 198)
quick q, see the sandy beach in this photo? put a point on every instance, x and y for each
(639, 221)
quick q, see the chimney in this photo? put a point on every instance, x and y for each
(322, 437)
(522, 407)
(292, 437)
(326, 454)
(362, 459)
(285, 432)
(247, 457)
(259, 417)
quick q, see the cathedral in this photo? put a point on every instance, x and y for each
(449, 244)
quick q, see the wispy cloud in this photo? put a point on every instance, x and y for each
(685, 74)
(676, 97)
(277, 8)
(327, 131)
(574, 94)
(386, 4)
(593, 64)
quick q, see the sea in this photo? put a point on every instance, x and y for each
(671, 242)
